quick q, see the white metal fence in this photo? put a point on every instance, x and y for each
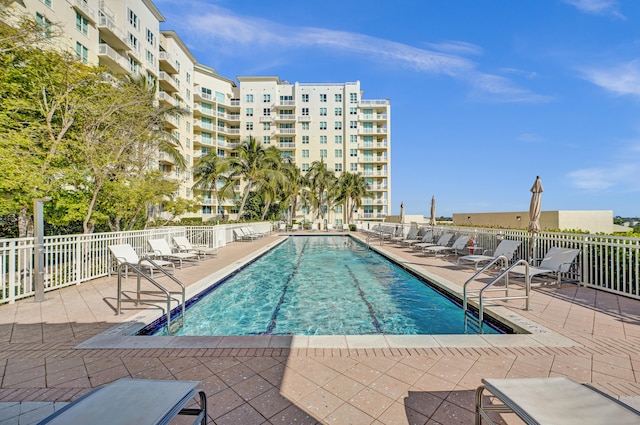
(73, 259)
(609, 263)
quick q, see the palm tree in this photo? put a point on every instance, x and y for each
(321, 183)
(352, 187)
(210, 171)
(252, 163)
(296, 187)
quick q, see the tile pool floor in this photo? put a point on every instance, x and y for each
(587, 335)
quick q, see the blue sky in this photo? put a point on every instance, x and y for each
(485, 94)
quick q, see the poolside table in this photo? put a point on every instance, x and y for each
(133, 401)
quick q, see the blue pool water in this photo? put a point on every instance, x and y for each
(323, 285)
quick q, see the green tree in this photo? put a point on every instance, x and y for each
(252, 163)
(296, 189)
(321, 186)
(351, 188)
(211, 174)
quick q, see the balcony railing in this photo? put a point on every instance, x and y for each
(112, 34)
(87, 11)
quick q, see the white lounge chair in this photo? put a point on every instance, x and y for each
(427, 237)
(443, 240)
(458, 245)
(411, 235)
(251, 232)
(506, 248)
(551, 401)
(184, 245)
(125, 254)
(161, 248)
(239, 235)
(295, 227)
(556, 262)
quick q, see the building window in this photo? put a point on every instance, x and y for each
(305, 153)
(353, 97)
(338, 140)
(133, 19)
(46, 2)
(338, 97)
(305, 126)
(305, 167)
(323, 98)
(323, 125)
(150, 57)
(151, 38)
(323, 140)
(133, 41)
(337, 168)
(250, 126)
(353, 152)
(188, 77)
(337, 125)
(266, 140)
(305, 112)
(266, 97)
(353, 138)
(249, 112)
(353, 167)
(82, 24)
(45, 24)
(323, 112)
(353, 111)
(188, 142)
(353, 124)
(338, 112)
(266, 112)
(338, 153)
(133, 66)
(206, 209)
(305, 98)
(323, 153)
(248, 98)
(266, 126)
(82, 53)
(305, 140)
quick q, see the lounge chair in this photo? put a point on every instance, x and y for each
(239, 235)
(161, 248)
(184, 245)
(250, 231)
(556, 262)
(458, 245)
(427, 237)
(506, 248)
(443, 240)
(329, 227)
(134, 401)
(295, 227)
(552, 401)
(411, 235)
(125, 254)
(282, 227)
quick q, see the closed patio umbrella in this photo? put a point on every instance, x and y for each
(534, 215)
(432, 219)
(402, 212)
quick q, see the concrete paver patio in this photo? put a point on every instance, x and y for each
(328, 381)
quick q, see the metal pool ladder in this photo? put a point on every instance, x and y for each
(488, 287)
(161, 290)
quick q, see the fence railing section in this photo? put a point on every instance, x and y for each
(609, 263)
(73, 259)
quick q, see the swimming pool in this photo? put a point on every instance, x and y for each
(321, 285)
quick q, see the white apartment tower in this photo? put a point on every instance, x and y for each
(307, 122)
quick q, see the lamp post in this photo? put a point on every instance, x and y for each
(38, 246)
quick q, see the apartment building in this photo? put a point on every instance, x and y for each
(307, 122)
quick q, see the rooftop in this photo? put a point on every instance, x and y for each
(587, 335)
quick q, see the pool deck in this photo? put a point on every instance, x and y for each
(57, 350)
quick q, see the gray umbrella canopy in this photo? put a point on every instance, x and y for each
(534, 214)
(402, 212)
(432, 219)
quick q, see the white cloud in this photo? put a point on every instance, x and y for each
(528, 138)
(623, 79)
(597, 7)
(220, 30)
(620, 172)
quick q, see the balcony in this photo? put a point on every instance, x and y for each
(373, 117)
(285, 117)
(374, 159)
(168, 83)
(228, 131)
(372, 145)
(84, 9)
(377, 130)
(285, 103)
(163, 158)
(199, 96)
(374, 201)
(167, 99)
(167, 63)
(229, 117)
(304, 118)
(368, 173)
(268, 118)
(200, 125)
(112, 35)
(171, 122)
(285, 131)
(112, 59)
(286, 145)
(378, 187)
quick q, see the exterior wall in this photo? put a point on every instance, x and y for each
(593, 221)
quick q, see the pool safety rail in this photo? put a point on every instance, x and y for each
(505, 269)
(161, 289)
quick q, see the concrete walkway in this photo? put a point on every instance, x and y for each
(589, 336)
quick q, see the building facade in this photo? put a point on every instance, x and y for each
(331, 122)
